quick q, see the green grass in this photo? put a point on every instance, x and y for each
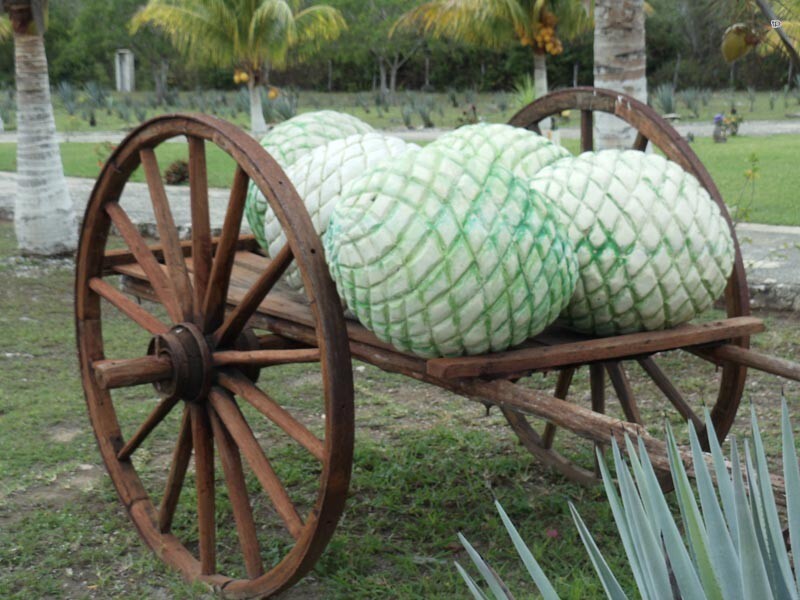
(427, 465)
(83, 159)
(777, 198)
(775, 201)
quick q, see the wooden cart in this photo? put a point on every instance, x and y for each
(225, 320)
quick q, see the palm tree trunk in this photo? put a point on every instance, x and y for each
(44, 216)
(540, 82)
(540, 74)
(619, 63)
(258, 125)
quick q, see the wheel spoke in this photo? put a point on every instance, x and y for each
(204, 473)
(146, 260)
(669, 390)
(112, 374)
(233, 325)
(241, 433)
(587, 131)
(171, 243)
(265, 358)
(201, 222)
(597, 382)
(534, 444)
(217, 292)
(237, 492)
(562, 389)
(237, 383)
(177, 473)
(640, 143)
(622, 386)
(157, 415)
(137, 314)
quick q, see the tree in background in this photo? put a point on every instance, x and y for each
(250, 36)
(44, 216)
(540, 25)
(368, 37)
(620, 61)
(81, 51)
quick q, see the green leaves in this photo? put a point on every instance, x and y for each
(250, 35)
(729, 546)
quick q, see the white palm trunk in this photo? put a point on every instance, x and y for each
(257, 123)
(619, 63)
(44, 216)
(540, 83)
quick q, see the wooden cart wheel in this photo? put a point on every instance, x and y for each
(202, 359)
(650, 128)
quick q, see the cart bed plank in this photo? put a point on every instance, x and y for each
(553, 348)
(595, 349)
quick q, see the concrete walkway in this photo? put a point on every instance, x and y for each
(698, 129)
(771, 253)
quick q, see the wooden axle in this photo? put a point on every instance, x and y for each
(113, 374)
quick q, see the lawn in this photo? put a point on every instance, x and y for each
(428, 464)
(774, 200)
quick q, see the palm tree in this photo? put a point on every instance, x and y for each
(44, 216)
(496, 24)
(250, 36)
(619, 62)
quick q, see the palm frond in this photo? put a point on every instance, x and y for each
(315, 25)
(490, 23)
(245, 33)
(573, 18)
(5, 28)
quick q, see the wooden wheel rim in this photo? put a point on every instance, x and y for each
(306, 248)
(650, 127)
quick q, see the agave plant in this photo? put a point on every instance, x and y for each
(664, 96)
(524, 91)
(691, 97)
(68, 97)
(730, 545)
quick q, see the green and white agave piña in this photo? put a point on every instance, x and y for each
(288, 142)
(443, 253)
(729, 544)
(319, 178)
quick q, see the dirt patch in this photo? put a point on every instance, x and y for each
(64, 433)
(64, 488)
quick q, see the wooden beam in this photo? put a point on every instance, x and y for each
(596, 349)
(750, 358)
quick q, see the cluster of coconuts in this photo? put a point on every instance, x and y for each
(485, 237)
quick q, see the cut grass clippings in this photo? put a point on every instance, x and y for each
(427, 465)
